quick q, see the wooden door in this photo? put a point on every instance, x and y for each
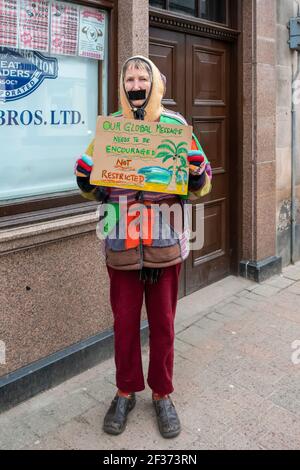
(198, 77)
(207, 110)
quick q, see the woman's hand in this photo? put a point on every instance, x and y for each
(83, 169)
(196, 162)
(197, 170)
(197, 166)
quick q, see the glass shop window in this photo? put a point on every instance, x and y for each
(48, 107)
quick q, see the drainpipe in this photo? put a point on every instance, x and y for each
(293, 166)
(294, 156)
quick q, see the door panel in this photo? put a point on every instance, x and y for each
(198, 70)
(208, 64)
(167, 51)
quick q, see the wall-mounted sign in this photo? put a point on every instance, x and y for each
(9, 23)
(64, 28)
(91, 33)
(21, 72)
(55, 26)
(34, 25)
(149, 156)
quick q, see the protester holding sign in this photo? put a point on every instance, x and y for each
(145, 264)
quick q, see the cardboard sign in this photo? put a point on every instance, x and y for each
(147, 156)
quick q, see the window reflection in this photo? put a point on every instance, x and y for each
(213, 10)
(158, 3)
(188, 7)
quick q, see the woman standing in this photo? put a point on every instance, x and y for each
(149, 267)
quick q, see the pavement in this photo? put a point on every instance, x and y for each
(236, 378)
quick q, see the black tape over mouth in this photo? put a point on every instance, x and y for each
(136, 95)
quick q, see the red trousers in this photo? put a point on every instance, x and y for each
(126, 296)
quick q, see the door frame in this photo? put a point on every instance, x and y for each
(168, 20)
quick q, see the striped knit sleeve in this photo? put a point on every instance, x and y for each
(88, 191)
(199, 186)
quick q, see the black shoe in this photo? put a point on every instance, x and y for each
(116, 416)
(167, 417)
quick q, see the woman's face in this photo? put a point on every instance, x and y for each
(135, 80)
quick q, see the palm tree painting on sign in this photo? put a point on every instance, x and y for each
(171, 179)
